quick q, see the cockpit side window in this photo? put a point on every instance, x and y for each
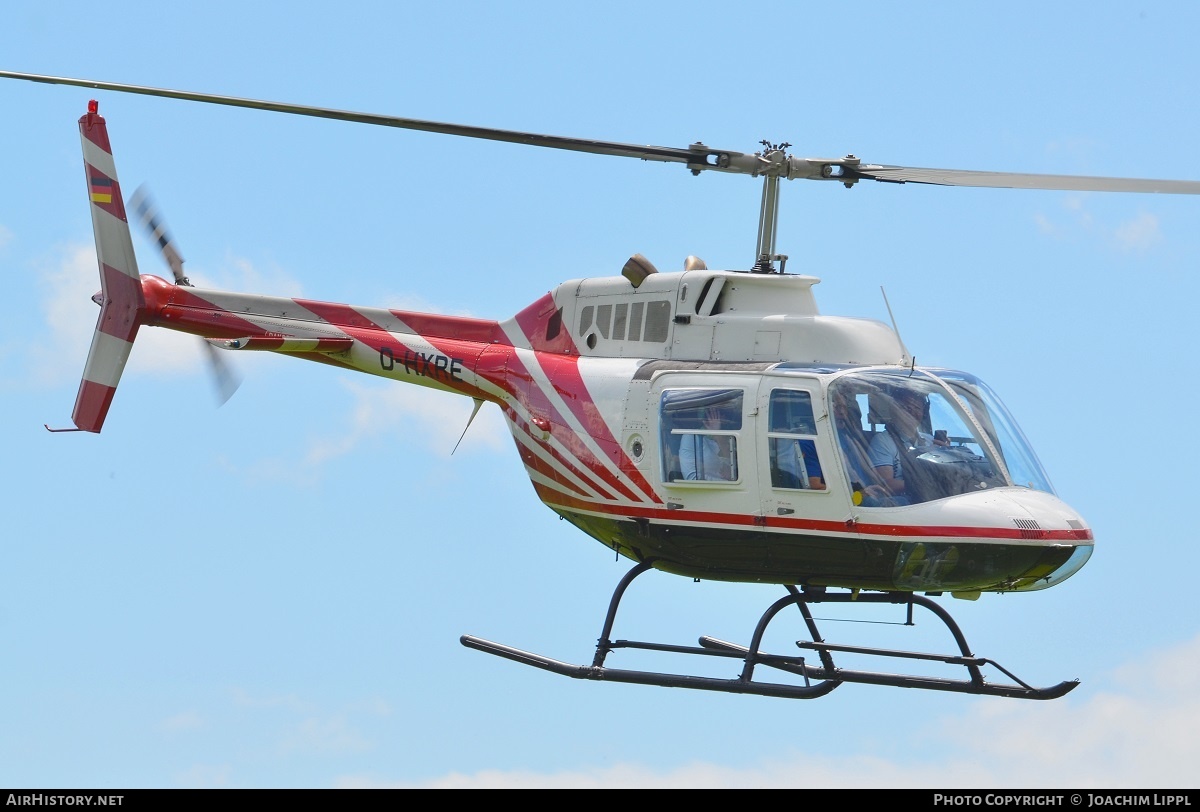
(848, 407)
(698, 434)
(791, 441)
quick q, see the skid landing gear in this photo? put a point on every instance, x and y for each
(815, 680)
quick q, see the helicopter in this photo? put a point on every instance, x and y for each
(710, 424)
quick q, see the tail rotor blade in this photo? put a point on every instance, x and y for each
(152, 221)
(225, 378)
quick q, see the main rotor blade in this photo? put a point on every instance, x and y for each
(771, 162)
(1018, 180)
(647, 153)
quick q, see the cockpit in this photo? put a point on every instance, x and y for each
(911, 436)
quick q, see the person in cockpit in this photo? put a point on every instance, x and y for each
(847, 419)
(904, 425)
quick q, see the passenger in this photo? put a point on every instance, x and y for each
(707, 456)
(796, 464)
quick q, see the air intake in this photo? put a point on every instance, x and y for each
(1030, 529)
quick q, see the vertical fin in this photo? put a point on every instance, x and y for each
(121, 300)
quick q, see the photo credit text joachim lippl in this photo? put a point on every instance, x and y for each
(1076, 799)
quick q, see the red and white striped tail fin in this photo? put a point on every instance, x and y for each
(121, 300)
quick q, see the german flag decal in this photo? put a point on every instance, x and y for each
(100, 188)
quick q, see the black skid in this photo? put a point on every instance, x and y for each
(816, 680)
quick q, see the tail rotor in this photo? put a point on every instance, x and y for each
(225, 379)
(147, 212)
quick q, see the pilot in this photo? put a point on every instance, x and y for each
(707, 456)
(847, 417)
(908, 412)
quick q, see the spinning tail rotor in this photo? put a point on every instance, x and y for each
(157, 229)
(224, 377)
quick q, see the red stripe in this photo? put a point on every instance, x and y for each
(93, 128)
(970, 532)
(675, 516)
(427, 326)
(538, 404)
(484, 331)
(91, 405)
(469, 345)
(534, 322)
(563, 372)
(534, 462)
(179, 308)
(340, 315)
(839, 529)
(123, 301)
(174, 306)
(413, 361)
(209, 322)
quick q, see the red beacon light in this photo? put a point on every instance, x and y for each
(93, 107)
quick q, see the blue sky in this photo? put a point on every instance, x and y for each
(271, 593)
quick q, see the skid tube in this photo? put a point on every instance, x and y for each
(818, 680)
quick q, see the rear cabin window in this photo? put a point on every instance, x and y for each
(698, 431)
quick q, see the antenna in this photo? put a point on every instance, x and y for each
(475, 411)
(903, 347)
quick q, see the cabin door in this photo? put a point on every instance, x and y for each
(796, 464)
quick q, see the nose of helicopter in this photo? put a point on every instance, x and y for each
(1054, 522)
(1019, 517)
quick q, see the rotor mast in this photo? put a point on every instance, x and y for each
(768, 213)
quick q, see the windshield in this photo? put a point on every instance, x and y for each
(984, 405)
(916, 436)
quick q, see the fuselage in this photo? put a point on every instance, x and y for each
(605, 388)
